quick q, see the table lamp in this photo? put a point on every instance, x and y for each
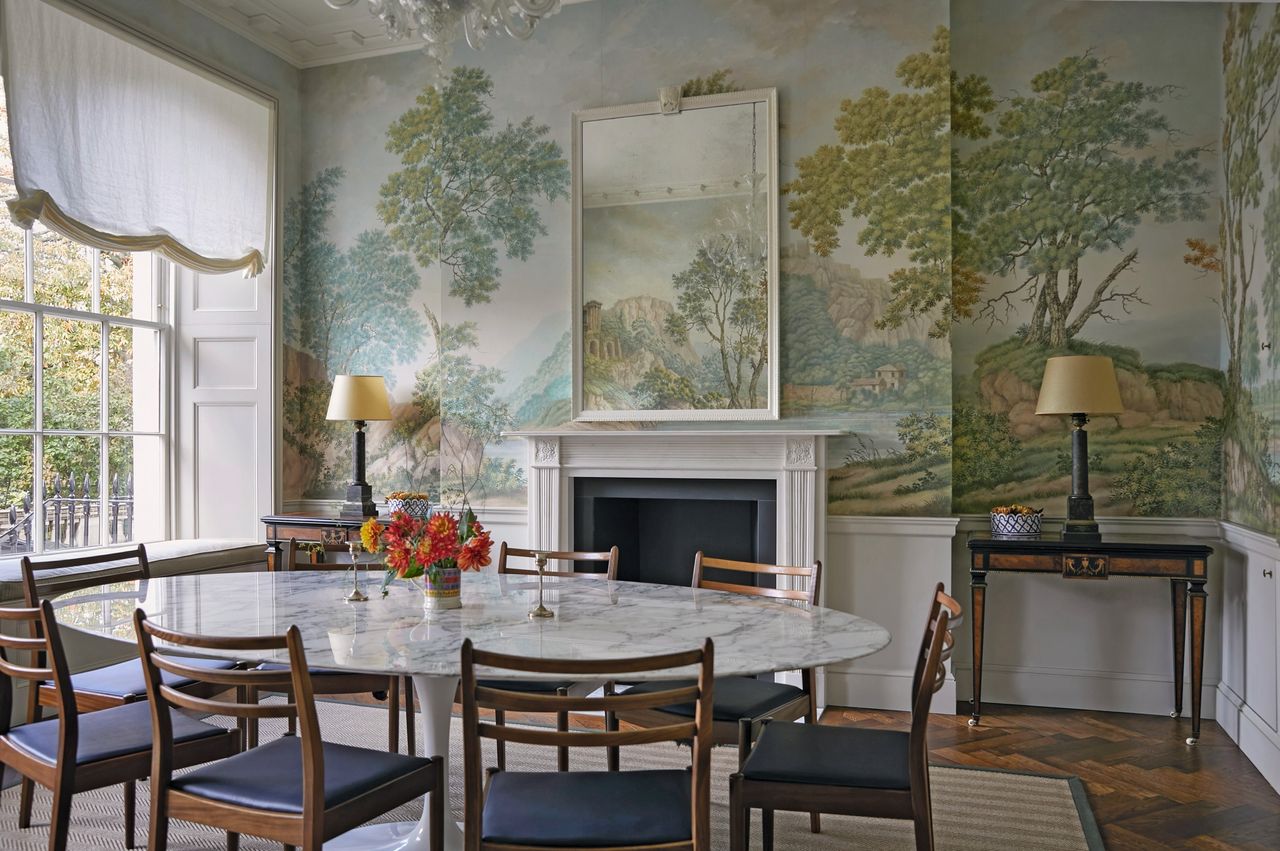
(359, 399)
(1079, 385)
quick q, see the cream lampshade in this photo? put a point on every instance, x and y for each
(359, 398)
(1079, 385)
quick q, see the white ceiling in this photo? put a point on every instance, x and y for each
(307, 32)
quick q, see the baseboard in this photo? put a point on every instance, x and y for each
(868, 688)
(1102, 691)
(1228, 708)
(1261, 745)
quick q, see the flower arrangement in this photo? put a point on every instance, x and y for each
(435, 547)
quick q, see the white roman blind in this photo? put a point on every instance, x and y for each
(118, 146)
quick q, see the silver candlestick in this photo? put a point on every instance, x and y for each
(541, 611)
(356, 595)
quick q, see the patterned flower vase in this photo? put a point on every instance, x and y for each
(445, 592)
(413, 506)
(1016, 527)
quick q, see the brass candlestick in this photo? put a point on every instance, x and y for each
(540, 611)
(356, 595)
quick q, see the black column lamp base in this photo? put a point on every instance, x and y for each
(359, 502)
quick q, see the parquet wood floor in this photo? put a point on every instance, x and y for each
(1147, 788)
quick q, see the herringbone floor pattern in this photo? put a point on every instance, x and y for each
(1148, 789)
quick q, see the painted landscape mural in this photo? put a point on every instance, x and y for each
(487, 342)
(957, 206)
(1084, 157)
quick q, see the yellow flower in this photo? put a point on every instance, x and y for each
(371, 535)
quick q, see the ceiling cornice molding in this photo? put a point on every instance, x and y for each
(307, 33)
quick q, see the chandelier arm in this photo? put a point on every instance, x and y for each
(536, 8)
(517, 24)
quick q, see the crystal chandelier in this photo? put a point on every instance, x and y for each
(437, 22)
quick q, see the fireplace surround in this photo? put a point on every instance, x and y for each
(564, 464)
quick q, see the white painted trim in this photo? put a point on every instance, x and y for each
(1250, 539)
(918, 527)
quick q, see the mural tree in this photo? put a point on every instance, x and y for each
(346, 310)
(466, 396)
(1076, 166)
(1251, 65)
(465, 187)
(724, 292)
(892, 167)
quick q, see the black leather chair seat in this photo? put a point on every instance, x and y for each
(107, 733)
(733, 697)
(529, 686)
(125, 679)
(832, 756)
(270, 777)
(588, 808)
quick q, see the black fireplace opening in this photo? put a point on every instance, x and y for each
(659, 524)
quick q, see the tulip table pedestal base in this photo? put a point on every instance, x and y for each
(435, 697)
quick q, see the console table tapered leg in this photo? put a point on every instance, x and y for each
(978, 587)
(1197, 595)
(1179, 592)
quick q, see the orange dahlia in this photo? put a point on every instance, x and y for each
(475, 553)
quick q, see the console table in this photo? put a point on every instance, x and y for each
(1182, 562)
(321, 528)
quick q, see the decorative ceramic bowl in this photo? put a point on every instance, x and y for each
(1016, 526)
(413, 506)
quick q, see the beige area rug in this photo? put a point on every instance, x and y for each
(973, 809)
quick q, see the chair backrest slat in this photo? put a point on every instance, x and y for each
(38, 581)
(491, 695)
(608, 557)
(589, 739)
(808, 594)
(592, 667)
(519, 701)
(43, 660)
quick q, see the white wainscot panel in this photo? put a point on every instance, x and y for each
(885, 569)
(226, 475)
(226, 363)
(232, 291)
(1247, 699)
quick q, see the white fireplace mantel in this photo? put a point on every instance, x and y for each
(795, 460)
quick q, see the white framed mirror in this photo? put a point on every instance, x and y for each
(675, 260)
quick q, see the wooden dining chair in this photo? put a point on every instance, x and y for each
(297, 790)
(850, 770)
(609, 558)
(742, 703)
(327, 681)
(563, 688)
(105, 686)
(631, 810)
(74, 752)
(109, 685)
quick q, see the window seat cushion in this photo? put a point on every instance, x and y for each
(167, 558)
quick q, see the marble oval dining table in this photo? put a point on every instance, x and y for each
(394, 634)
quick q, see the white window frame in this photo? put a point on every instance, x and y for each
(161, 273)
